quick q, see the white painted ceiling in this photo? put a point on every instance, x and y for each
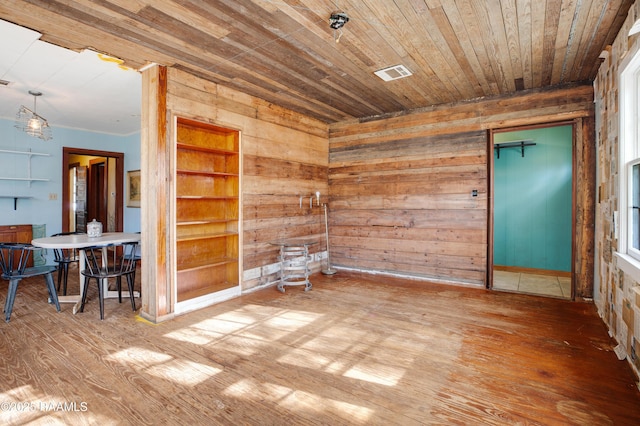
(80, 90)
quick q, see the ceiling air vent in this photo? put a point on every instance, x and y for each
(393, 73)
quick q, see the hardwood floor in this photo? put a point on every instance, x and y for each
(357, 349)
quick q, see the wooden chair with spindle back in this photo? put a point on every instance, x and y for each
(14, 260)
(113, 261)
(65, 257)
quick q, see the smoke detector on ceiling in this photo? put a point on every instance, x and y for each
(393, 73)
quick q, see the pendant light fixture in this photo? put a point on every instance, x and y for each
(31, 123)
(336, 22)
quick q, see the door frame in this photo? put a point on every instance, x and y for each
(119, 157)
(97, 179)
(490, 216)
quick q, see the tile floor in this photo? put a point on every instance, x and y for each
(543, 285)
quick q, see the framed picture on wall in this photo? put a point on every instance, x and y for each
(133, 188)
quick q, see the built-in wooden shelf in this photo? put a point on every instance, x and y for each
(207, 209)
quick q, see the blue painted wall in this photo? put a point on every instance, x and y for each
(532, 200)
(40, 209)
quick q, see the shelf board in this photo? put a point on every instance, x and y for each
(10, 151)
(207, 197)
(196, 264)
(204, 222)
(205, 173)
(25, 179)
(206, 236)
(188, 147)
(184, 295)
(30, 154)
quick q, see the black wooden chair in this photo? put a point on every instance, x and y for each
(136, 256)
(65, 257)
(14, 258)
(103, 263)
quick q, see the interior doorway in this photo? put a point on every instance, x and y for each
(98, 192)
(532, 215)
(92, 188)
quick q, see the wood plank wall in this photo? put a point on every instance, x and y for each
(418, 170)
(405, 205)
(401, 185)
(284, 156)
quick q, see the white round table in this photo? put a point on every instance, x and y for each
(81, 241)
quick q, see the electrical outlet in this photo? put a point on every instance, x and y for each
(53, 196)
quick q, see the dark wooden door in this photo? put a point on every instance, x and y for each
(98, 192)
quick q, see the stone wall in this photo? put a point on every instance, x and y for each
(616, 296)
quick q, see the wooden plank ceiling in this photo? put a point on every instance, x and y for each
(285, 52)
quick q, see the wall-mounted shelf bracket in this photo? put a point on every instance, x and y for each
(15, 199)
(515, 144)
